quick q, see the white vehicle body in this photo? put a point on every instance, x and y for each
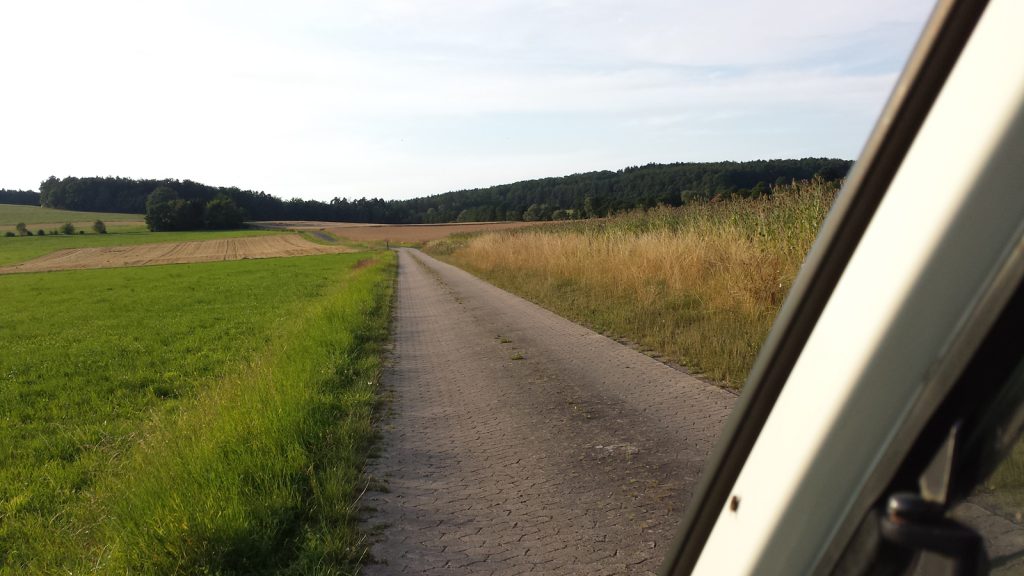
(938, 258)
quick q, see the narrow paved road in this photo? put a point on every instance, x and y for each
(518, 441)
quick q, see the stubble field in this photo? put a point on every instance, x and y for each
(272, 246)
(395, 233)
(22, 249)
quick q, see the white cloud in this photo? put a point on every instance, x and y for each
(317, 98)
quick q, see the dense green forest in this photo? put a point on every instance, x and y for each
(583, 195)
(166, 211)
(25, 197)
(601, 193)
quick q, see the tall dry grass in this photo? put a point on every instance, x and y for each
(699, 284)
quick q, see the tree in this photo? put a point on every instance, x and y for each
(99, 227)
(67, 228)
(608, 192)
(222, 213)
(24, 197)
(46, 191)
(22, 229)
(588, 207)
(161, 212)
(188, 214)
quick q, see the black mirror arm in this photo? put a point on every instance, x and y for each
(915, 523)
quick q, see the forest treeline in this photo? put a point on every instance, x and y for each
(26, 197)
(590, 194)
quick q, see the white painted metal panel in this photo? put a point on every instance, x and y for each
(937, 235)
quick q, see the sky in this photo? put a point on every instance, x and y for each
(401, 98)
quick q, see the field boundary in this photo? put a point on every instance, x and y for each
(217, 250)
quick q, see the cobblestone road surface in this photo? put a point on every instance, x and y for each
(519, 442)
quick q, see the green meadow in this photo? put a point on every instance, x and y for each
(11, 214)
(188, 419)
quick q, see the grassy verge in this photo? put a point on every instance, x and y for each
(20, 249)
(700, 284)
(1003, 491)
(193, 419)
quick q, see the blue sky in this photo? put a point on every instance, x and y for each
(401, 98)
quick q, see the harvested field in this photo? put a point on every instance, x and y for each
(394, 232)
(273, 246)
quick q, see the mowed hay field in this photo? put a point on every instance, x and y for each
(235, 248)
(36, 217)
(189, 419)
(396, 233)
(700, 284)
(22, 249)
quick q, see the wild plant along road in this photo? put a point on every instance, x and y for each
(517, 441)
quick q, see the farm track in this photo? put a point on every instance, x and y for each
(175, 253)
(518, 441)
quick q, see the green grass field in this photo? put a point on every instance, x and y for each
(11, 214)
(193, 419)
(20, 249)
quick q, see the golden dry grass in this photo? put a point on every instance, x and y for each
(699, 284)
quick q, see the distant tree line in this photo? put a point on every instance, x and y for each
(112, 194)
(26, 197)
(596, 194)
(585, 195)
(166, 211)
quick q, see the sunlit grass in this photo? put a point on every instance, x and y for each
(11, 214)
(201, 418)
(700, 284)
